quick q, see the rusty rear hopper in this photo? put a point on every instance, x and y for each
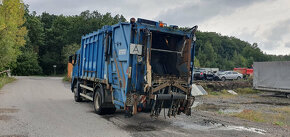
(138, 66)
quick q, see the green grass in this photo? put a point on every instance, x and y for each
(66, 78)
(279, 123)
(238, 90)
(5, 80)
(280, 116)
(250, 115)
(246, 91)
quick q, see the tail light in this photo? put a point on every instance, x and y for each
(201, 73)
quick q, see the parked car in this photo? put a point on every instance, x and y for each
(209, 75)
(229, 75)
(216, 75)
(199, 74)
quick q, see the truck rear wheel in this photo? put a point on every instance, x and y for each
(77, 91)
(98, 103)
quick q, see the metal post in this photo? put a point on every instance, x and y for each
(54, 68)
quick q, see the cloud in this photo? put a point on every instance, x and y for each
(129, 8)
(279, 30)
(198, 12)
(287, 44)
(265, 22)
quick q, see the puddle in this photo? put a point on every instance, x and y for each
(218, 108)
(135, 123)
(241, 128)
(210, 107)
(8, 110)
(207, 125)
(231, 110)
(140, 128)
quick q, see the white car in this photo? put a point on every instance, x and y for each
(230, 75)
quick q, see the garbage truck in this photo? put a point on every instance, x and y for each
(136, 66)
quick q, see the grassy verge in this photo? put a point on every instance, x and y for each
(66, 79)
(279, 116)
(224, 93)
(5, 80)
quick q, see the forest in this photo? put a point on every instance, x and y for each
(31, 43)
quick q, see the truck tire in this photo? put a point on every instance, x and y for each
(238, 78)
(110, 110)
(77, 91)
(98, 103)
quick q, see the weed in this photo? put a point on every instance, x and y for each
(66, 78)
(246, 91)
(279, 123)
(280, 119)
(250, 115)
(4, 80)
(282, 110)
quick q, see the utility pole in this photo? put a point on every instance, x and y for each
(54, 68)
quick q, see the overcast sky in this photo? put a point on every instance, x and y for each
(266, 22)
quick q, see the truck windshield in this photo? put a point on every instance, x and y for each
(170, 54)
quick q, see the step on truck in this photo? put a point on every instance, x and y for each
(136, 66)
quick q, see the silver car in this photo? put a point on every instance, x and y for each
(226, 75)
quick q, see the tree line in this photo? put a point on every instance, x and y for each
(31, 44)
(226, 53)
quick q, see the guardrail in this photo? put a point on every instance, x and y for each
(7, 72)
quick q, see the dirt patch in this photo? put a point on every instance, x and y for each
(210, 107)
(220, 85)
(137, 123)
(267, 103)
(140, 128)
(219, 108)
(8, 110)
(5, 117)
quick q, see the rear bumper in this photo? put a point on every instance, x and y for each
(170, 97)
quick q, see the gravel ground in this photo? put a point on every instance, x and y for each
(44, 106)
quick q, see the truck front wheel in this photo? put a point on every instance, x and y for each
(77, 91)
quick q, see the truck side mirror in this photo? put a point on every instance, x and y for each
(70, 59)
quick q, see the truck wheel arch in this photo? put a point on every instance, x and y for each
(73, 83)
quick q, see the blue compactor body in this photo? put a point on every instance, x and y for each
(136, 66)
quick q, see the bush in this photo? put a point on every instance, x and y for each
(4, 80)
(27, 64)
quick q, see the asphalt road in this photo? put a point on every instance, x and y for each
(44, 106)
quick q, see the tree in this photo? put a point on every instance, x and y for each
(12, 31)
(196, 63)
(27, 64)
(69, 50)
(207, 55)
